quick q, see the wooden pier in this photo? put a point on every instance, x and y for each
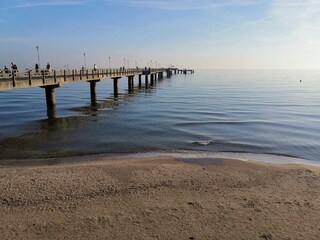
(51, 79)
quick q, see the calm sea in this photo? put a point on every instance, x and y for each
(239, 111)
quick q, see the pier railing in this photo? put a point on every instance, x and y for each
(34, 73)
(10, 80)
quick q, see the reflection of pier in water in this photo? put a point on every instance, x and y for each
(115, 100)
(39, 136)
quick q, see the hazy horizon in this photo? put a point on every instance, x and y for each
(250, 34)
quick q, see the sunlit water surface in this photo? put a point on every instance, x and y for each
(240, 111)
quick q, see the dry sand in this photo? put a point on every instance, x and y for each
(160, 198)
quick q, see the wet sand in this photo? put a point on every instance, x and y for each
(160, 198)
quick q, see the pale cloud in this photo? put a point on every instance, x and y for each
(242, 25)
(294, 3)
(288, 20)
(287, 36)
(183, 4)
(291, 10)
(301, 19)
(50, 3)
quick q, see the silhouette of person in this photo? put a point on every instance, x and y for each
(14, 67)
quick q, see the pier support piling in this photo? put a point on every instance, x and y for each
(115, 86)
(146, 81)
(94, 102)
(93, 88)
(130, 83)
(52, 112)
(51, 100)
(50, 96)
(140, 81)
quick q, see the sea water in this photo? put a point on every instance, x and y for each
(264, 112)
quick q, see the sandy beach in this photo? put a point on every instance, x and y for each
(160, 198)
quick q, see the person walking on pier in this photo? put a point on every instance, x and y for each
(48, 69)
(6, 70)
(94, 67)
(14, 67)
(36, 67)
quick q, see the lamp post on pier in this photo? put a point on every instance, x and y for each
(37, 47)
(124, 63)
(109, 64)
(84, 60)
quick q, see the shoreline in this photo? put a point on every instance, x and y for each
(160, 198)
(193, 156)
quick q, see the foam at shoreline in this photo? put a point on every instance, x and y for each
(265, 158)
(180, 155)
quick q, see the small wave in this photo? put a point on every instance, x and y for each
(202, 143)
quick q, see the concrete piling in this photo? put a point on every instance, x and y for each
(140, 81)
(130, 83)
(146, 81)
(115, 86)
(93, 88)
(50, 96)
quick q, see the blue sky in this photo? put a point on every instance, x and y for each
(199, 34)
